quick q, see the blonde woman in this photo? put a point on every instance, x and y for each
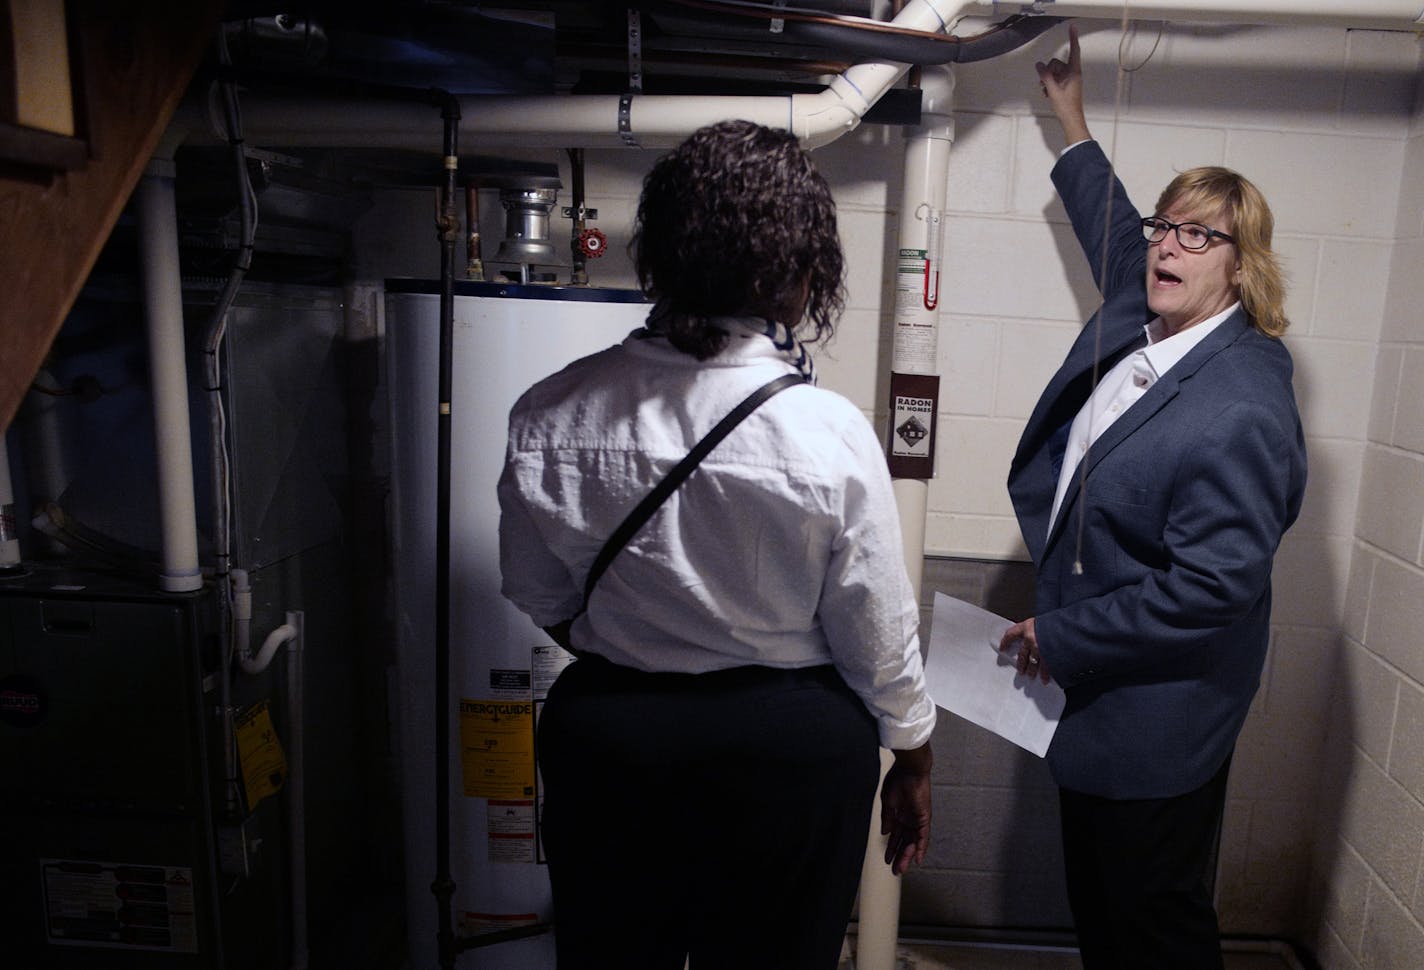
(1153, 483)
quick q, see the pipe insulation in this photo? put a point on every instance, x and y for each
(163, 312)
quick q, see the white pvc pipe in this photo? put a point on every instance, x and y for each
(163, 311)
(661, 121)
(9, 528)
(44, 446)
(587, 121)
(926, 168)
(591, 121)
(1398, 14)
(286, 633)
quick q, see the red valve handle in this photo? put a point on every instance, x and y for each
(592, 243)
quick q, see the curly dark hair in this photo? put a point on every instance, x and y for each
(732, 223)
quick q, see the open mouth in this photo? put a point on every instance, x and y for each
(1165, 278)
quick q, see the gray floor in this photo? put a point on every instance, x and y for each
(946, 956)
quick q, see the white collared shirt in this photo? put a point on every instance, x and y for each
(782, 549)
(1123, 386)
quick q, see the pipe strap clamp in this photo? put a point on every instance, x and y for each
(625, 120)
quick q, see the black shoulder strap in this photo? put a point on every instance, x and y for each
(644, 509)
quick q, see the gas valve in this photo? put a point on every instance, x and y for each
(592, 242)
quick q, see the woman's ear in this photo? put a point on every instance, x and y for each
(798, 312)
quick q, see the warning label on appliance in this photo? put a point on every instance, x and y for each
(264, 764)
(511, 831)
(509, 682)
(547, 661)
(129, 907)
(497, 748)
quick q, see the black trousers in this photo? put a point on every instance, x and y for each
(1138, 878)
(720, 816)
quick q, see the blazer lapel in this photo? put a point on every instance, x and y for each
(1157, 397)
(1070, 387)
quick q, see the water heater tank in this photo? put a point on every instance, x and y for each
(506, 337)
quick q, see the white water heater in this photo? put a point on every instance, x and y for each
(506, 337)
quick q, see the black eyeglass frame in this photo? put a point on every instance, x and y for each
(1154, 229)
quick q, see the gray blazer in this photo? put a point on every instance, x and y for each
(1159, 640)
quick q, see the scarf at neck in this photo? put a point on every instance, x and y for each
(781, 336)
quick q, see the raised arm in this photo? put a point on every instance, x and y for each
(1086, 183)
(1062, 85)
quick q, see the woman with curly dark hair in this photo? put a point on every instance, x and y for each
(710, 759)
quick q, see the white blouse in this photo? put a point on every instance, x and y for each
(782, 549)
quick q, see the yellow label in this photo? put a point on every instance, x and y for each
(497, 748)
(264, 765)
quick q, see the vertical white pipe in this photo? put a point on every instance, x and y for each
(296, 792)
(914, 351)
(9, 534)
(44, 446)
(163, 311)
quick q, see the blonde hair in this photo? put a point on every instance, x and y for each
(1212, 189)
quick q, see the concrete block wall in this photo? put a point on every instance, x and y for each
(1368, 885)
(1324, 835)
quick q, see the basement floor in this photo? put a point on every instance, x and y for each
(980, 956)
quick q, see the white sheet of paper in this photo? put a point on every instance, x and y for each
(967, 675)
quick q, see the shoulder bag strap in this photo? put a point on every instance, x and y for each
(644, 509)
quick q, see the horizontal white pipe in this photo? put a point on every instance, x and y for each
(590, 121)
(585, 121)
(661, 121)
(1398, 14)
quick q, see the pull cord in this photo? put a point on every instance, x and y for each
(1123, 71)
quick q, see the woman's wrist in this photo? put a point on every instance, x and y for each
(918, 761)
